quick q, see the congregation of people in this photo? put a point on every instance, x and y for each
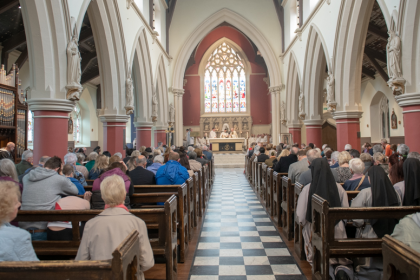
(54, 183)
(385, 174)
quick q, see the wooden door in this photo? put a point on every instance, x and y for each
(329, 135)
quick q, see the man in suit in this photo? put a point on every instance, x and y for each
(299, 167)
(140, 175)
(283, 164)
(262, 157)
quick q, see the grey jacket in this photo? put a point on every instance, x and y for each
(297, 168)
(42, 188)
(305, 177)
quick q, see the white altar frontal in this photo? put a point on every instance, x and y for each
(227, 145)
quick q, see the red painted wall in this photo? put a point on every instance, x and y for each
(258, 89)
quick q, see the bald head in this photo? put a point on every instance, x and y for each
(173, 156)
(141, 161)
(294, 150)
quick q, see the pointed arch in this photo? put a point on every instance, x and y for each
(293, 87)
(161, 87)
(225, 15)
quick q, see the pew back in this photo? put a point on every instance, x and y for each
(269, 191)
(287, 207)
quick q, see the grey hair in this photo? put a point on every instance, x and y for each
(414, 155)
(357, 165)
(159, 159)
(80, 157)
(334, 156)
(118, 154)
(157, 152)
(135, 153)
(93, 156)
(190, 149)
(193, 155)
(70, 158)
(173, 147)
(43, 160)
(27, 154)
(8, 168)
(403, 149)
(377, 149)
(140, 160)
(204, 147)
(312, 154)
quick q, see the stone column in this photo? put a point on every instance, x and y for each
(296, 134)
(314, 132)
(143, 134)
(275, 112)
(50, 126)
(179, 121)
(114, 126)
(348, 129)
(410, 102)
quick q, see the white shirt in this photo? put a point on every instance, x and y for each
(224, 135)
(233, 134)
(213, 134)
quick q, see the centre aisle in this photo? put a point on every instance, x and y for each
(238, 240)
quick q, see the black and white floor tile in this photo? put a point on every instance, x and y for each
(238, 241)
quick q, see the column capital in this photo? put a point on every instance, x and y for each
(408, 99)
(114, 118)
(143, 124)
(313, 122)
(276, 89)
(177, 91)
(48, 104)
(294, 124)
(347, 115)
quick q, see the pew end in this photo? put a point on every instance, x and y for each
(287, 196)
(299, 243)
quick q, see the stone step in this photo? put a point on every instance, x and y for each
(227, 160)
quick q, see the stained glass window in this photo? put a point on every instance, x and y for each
(224, 82)
(30, 128)
(77, 125)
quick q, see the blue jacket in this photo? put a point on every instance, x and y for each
(172, 173)
(78, 185)
(16, 244)
(209, 155)
(154, 167)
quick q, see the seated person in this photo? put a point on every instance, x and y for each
(25, 163)
(117, 168)
(72, 159)
(79, 165)
(283, 164)
(410, 189)
(8, 172)
(104, 233)
(194, 164)
(262, 157)
(172, 173)
(91, 161)
(63, 230)
(68, 172)
(183, 160)
(342, 173)
(408, 231)
(101, 164)
(16, 243)
(43, 188)
(157, 162)
(200, 158)
(140, 175)
(358, 181)
(269, 161)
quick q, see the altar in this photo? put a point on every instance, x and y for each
(227, 145)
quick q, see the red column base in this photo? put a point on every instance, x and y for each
(314, 135)
(144, 136)
(296, 135)
(50, 134)
(114, 137)
(412, 127)
(160, 136)
(347, 133)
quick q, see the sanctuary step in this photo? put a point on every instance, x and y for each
(227, 160)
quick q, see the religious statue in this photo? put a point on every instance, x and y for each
(245, 126)
(70, 126)
(394, 121)
(206, 127)
(129, 98)
(396, 81)
(302, 113)
(154, 107)
(171, 114)
(283, 113)
(225, 126)
(330, 92)
(216, 127)
(74, 70)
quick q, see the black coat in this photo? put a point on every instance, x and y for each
(202, 161)
(262, 158)
(6, 154)
(141, 176)
(282, 166)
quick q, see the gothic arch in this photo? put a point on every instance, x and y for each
(316, 60)
(225, 15)
(293, 88)
(161, 88)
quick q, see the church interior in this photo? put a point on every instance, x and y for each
(220, 140)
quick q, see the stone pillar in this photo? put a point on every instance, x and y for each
(114, 136)
(314, 132)
(348, 129)
(143, 134)
(275, 112)
(296, 134)
(179, 121)
(50, 126)
(410, 102)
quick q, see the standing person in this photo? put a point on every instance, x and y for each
(324, 185)
(8, 151)
(233, 133)
(26, 162)
(386, 147)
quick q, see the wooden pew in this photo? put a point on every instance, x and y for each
(124, 265)
(90, 182)
(277, 211)
(191, 205)
(269, 191)
(253, 176)
(287, 206)
(263, 194)
(163, 219)
(326, 246)
(400, 262)
(204, 179)
(200, 193)
(258, 177)
(247, 167)
(197, 209)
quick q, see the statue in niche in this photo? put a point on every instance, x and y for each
(206, 127)
(302, 113)
(154, 107)
(129, 97)
(245, 126)
(171, 114)
(216, 127)
(74, 70)
(283, 113)
(330, 87)
(393, 48)
(394, 120)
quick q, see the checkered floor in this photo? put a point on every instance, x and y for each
(238, 241)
